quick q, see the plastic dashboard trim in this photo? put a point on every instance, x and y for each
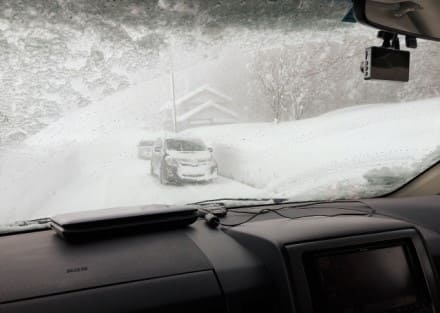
(294, 259)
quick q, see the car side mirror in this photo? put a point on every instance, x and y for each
(210, 149)
(414, 18)
(157, 149)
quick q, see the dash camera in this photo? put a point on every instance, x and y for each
(386, 64)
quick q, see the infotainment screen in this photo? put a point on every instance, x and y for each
(366, 279)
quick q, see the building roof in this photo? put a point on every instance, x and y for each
(203, 106)
(193, 93)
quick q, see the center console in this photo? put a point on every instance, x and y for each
(386, 272)
(345, 265)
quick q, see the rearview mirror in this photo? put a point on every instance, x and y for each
(416, 18)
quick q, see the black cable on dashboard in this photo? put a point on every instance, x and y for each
(212, 216)
(306, 207)
(242, 222)
(322, 215)
(275, 211)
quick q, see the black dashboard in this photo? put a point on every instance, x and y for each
(310, 260)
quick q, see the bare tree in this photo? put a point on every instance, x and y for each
(272, 73)
(284, 77)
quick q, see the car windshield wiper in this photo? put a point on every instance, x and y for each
(25, 226)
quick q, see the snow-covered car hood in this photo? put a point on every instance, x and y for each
(193, 156)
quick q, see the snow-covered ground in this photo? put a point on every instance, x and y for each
(100, 173)
(335, 155)
(123, 180)
(87, 160)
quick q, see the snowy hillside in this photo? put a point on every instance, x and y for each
(133, 108)
(58, 56)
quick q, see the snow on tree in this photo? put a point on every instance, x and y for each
(58, 56)
(272, 70)
(283, 77)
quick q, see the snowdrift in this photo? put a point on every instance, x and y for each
(30, 176)
(331, 155)
(69, 151)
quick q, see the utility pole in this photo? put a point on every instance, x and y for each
(174, 98)
(173, 89)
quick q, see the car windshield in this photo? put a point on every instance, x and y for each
(184, 145)
(273, 87)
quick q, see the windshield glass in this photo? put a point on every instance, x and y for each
(184, 145)
(273, 87)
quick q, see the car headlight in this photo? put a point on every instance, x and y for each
(170, 161)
